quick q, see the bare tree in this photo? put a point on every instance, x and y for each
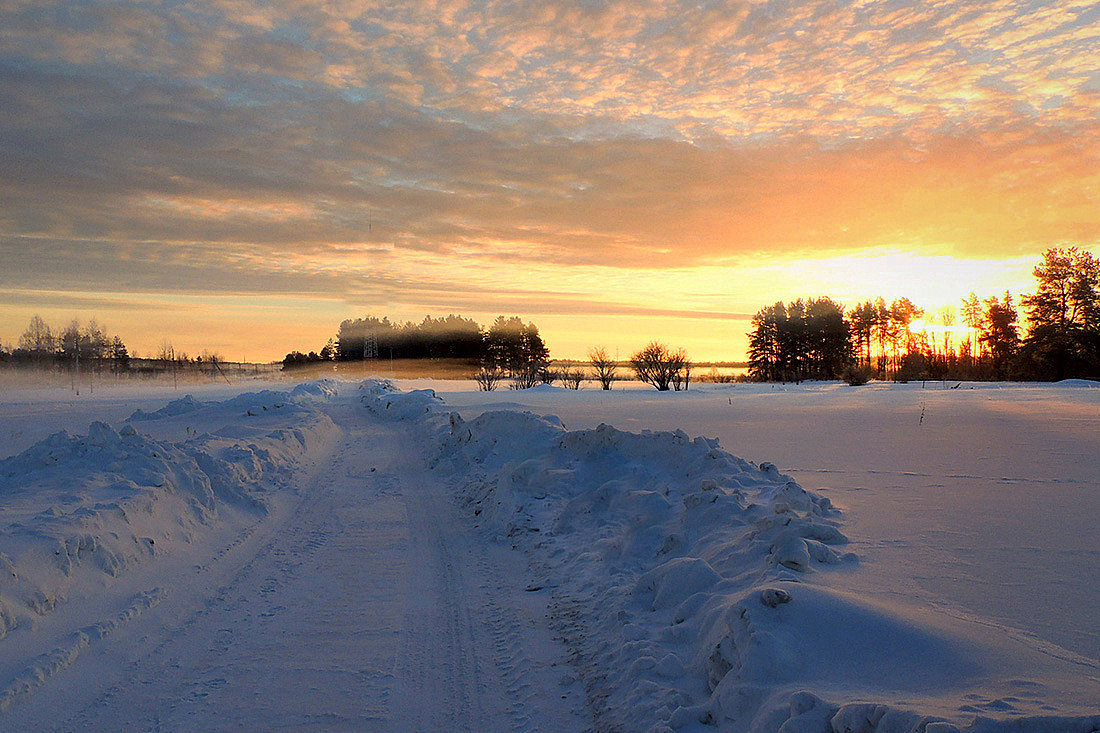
(682, 378)
(69, 340)
(527, 376)
(38, 338)
(604, 365)
(571, 378)
(487, 378)
(657, 365)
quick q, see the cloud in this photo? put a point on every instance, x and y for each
(355, 147)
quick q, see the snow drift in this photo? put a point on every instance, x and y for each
(692, 587)
(78, 510)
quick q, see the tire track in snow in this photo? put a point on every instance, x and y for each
(440, 685)
(489, 663)
(296, 611)
(216, 601)
(369, 603)
(510, 658)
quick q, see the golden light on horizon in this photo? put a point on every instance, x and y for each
(705, 309)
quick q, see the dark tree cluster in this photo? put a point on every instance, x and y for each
(297, 359)
(816, 340)
(1063, 338)
(86, 345)
(1064, 318)
(662, 367)
(515, 350)
(874, 325)
(507, 349)
(985, 352)
(802, 340)
(451, 337)
(518, 349)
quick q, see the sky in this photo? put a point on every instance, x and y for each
(242, 176)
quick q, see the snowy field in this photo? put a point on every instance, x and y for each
(367, 557)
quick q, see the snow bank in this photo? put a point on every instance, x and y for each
(692, 587)
(381, 398)
(78, 510)
(1078, 383)
(182, 406)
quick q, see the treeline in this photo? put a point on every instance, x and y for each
(451, 337)
(816, 339)
(86, 345)
(801, 340)
(508, 344)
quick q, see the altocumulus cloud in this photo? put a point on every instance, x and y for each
(343, 147)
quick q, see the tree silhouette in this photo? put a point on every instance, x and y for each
(487, 378)
(999, 333)
(764, 343)
(518, 348)
(1064, 317)
(862, 321)
(656, 364)
(803, 340)
(604, 366)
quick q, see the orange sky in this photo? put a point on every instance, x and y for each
(241, 176)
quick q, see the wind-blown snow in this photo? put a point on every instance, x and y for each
(693, 589)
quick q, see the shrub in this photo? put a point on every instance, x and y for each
(657, 365)
(604, 366)
(857, 375)
(487, 378)
(571, 378)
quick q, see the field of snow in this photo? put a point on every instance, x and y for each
(373, 556)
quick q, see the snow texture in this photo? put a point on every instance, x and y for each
(692, 587)
(78, 509)
(689, 589)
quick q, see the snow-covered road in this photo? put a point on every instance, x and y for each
(363, 605)
(357, 557)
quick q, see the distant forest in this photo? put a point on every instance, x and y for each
(85, 348)
(42, 346)
(816, 339)
(508, 343)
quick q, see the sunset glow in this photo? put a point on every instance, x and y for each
(241, 177)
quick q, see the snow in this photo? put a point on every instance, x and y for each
(986, 507)
(666, 548)
(380, 557)
(78, 508)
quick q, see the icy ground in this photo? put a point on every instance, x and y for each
(346, 556)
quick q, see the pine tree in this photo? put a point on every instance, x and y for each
(1064, 317)
(999, 333)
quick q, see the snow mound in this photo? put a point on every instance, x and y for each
(381, 398)
(77, 508)
(545, 389)
(182, 406)
(631, 525)
(691, 586)
(250, 404)
(1078, 383)
(320, 388)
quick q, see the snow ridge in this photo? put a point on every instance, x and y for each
(80, 510)
(691, 587)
